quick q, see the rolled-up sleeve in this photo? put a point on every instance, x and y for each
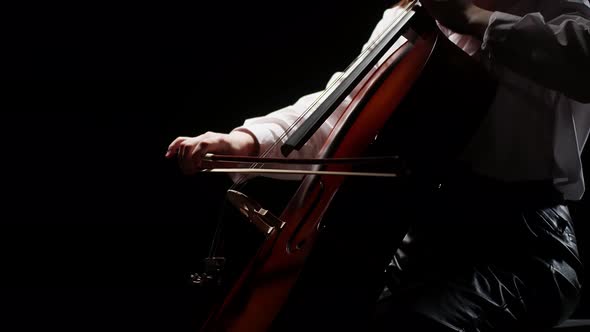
(269, 129)
(554, 53)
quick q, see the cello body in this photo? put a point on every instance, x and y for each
(412, 105)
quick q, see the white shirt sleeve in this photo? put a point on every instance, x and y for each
(553, 53)
(268, 128)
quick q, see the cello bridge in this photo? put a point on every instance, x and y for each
(263, 219)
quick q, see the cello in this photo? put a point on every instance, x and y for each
(382, 111)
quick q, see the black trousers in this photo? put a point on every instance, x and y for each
(478, 255)
(482, 256)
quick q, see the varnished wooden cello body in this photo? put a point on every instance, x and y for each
(414, 105)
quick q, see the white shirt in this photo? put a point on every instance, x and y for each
(533, 130)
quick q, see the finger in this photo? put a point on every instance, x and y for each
(185, 159)
(213, 145)
(202, 149)
(193, 156)
(173, 147)
(181, 151)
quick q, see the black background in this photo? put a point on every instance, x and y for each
(98, 231)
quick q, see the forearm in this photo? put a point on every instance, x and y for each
(270, 128)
